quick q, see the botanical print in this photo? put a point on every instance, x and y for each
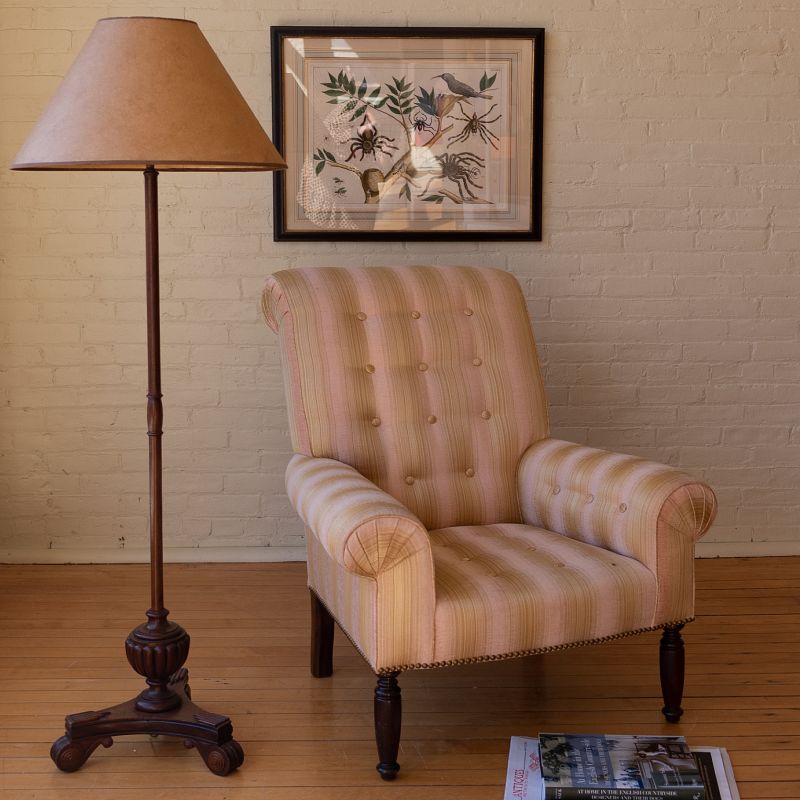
(421, 134)
(406, 143)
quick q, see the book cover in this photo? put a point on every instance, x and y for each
(523, 777)
(598, 767)
(715, 766)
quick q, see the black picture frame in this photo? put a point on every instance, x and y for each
(454, 179)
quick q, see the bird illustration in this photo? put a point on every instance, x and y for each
(460, 88)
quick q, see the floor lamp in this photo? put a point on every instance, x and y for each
(150, 94)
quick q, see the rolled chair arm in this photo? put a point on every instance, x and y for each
(361, 527)
(619, 502)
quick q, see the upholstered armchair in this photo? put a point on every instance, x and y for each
(443, 524)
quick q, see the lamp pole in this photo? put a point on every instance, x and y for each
(158, 648)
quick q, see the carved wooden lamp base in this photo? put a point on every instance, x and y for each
(156, 649)
(211, 734)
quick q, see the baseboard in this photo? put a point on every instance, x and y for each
(746, 549)
(172, 555)
(199, 555)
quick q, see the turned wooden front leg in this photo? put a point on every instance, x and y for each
(672, 661)
(388, 717)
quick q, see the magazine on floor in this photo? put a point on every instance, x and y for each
(524, 776)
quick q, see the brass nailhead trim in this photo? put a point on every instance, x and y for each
(537, 651)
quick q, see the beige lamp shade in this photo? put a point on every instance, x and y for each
(148, 91)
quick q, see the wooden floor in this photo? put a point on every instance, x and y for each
(61, 635)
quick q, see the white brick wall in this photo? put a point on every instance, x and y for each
(665, 293)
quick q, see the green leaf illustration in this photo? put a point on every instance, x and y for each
(328, 155)
(486, 81)
(426, 101)
(359, 112)
(320, 166)
(433, 198)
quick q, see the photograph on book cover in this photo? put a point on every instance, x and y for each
(659, 765)
(408, 133)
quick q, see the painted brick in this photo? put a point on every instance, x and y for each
(664, 295)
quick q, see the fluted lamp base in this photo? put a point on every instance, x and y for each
(157, 650)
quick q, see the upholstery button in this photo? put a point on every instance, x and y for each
(466, 558)
(590, 498)
(469, 312)
(415, 315)
(530, 547)
(623, 507)
(477, 362)
(431, 419)
(556, 489)
(361, 315)
(410, 480)
(470, 473)
(560, 564)
(370, 368)
(485, 414)
(375, 422)
(422, 366)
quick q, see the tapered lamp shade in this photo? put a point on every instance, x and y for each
(148, 91)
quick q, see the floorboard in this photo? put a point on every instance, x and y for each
(61, 635)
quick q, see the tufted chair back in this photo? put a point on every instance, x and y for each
(424, 379)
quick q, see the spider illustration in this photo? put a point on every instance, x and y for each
(477, 124)
(369, 142)
(461, 169)
(419, 122)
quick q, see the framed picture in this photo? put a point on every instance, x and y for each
(408, 133)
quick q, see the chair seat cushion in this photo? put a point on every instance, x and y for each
(508, 588)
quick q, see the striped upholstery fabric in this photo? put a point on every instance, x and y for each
(359, 525)
(637, 508)
(424, 379)
(442, 523)
(515, 588)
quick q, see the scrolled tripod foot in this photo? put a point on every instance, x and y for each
(221, 759)
(70, 756)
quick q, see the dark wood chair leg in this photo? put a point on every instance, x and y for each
(388, 716)
(321, 639)
(672, 661)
